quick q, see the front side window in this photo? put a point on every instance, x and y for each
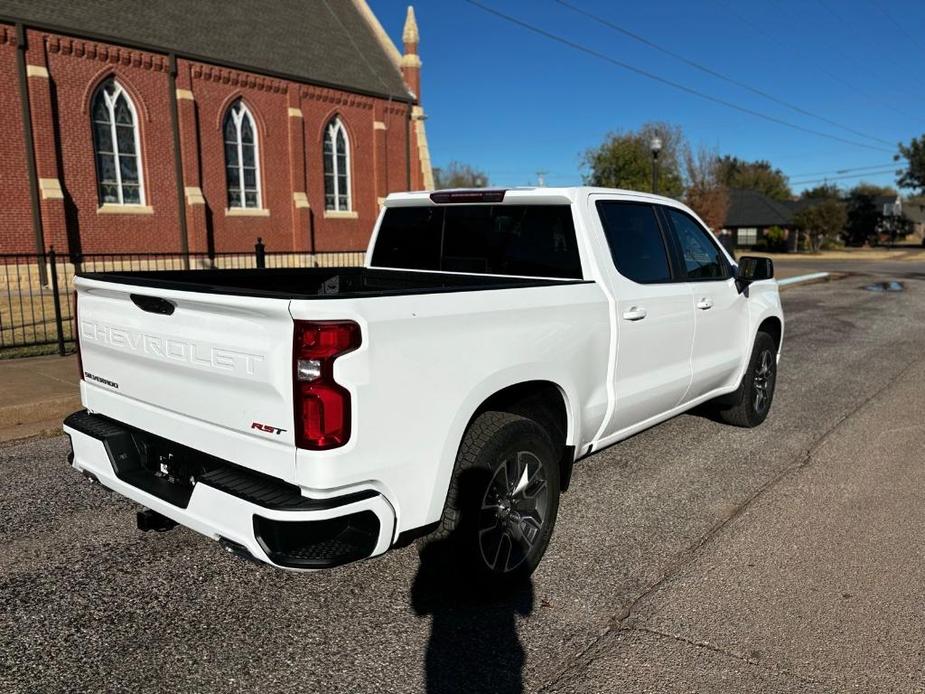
(117, 146)
(702, 258)
(241, 162)
(635, 241)
(336, 167)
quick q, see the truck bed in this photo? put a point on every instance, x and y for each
(316, 283)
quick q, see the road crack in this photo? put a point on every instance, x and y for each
(621, 620)
(706, 645)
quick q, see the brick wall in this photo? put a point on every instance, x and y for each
(290, 119)
(16, 235)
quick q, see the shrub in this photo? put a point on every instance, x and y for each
(776, 239)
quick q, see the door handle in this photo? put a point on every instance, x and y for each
(704, 303)
(634, 313)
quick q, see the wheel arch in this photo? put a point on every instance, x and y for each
(546, 403)
(773, 326)
(510, 392)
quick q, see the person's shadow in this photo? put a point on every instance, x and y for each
(473, 643)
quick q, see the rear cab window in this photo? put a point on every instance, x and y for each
(524, 240)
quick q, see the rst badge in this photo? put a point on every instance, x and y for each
(266, 428)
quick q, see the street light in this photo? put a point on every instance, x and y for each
(655, 144)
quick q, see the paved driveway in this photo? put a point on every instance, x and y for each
(692, 557)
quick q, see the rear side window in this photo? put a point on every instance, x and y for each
(702, 258)
(530, 240)
(635, 241)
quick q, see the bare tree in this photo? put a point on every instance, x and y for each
(705, 194)
(459, 175)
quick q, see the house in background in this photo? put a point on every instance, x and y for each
(751, 214)
(165, 126)
(914, 211)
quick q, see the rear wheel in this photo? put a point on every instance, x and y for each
(503, 499)
(749, 405)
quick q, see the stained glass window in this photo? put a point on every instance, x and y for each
(117, 146)
(336, 167)
(241, 161)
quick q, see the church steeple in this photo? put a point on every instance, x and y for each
(411, 61)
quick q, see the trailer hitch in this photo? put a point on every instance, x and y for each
(152, 520)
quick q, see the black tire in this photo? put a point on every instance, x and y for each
(499, 527)
(749, 405)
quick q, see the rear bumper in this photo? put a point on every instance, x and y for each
(266, 516)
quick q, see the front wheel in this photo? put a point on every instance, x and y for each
(503, 499)
(749, 405)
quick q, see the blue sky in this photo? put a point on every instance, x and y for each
(512, 103)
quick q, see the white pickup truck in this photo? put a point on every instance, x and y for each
(310, 417)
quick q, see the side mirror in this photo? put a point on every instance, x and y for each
(753, 268)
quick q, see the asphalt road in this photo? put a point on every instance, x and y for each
(911, 267)
(692, 557)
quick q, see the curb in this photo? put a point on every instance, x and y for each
(802, 279)
(40, 430)
(41, 411)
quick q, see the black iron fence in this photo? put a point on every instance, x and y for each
(36, 291)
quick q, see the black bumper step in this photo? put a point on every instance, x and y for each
(318, 544)
(137, 458)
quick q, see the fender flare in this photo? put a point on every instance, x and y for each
(481, 393)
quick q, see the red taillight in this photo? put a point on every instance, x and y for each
(322, 406)
(80, 363)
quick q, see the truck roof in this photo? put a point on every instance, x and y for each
(530, 194)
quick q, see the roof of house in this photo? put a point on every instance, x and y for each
(328, 42)
(749, 208)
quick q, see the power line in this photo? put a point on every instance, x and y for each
(812, 63)
(874, 45)
(842, 171)
(656, 78)
(839, 178)
(710, 71)
(899, 27)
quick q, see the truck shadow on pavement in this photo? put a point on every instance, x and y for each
(473, 644)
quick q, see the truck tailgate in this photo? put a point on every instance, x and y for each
(210, 367)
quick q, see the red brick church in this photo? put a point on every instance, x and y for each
(136, 126)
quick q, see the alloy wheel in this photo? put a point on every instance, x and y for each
(514, 511)
(764, 381)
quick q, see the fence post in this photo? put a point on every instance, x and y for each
(260, 252)
(59, 323)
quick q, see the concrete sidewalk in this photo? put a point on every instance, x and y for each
(904, 254)
(36, 394)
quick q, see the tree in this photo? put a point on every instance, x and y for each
(821, 192)
(624, 160)
(458, 175)
(823, 221)
(865, 213)
(896, 226)
(913, 176)
(754, 175)
(705, 193)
